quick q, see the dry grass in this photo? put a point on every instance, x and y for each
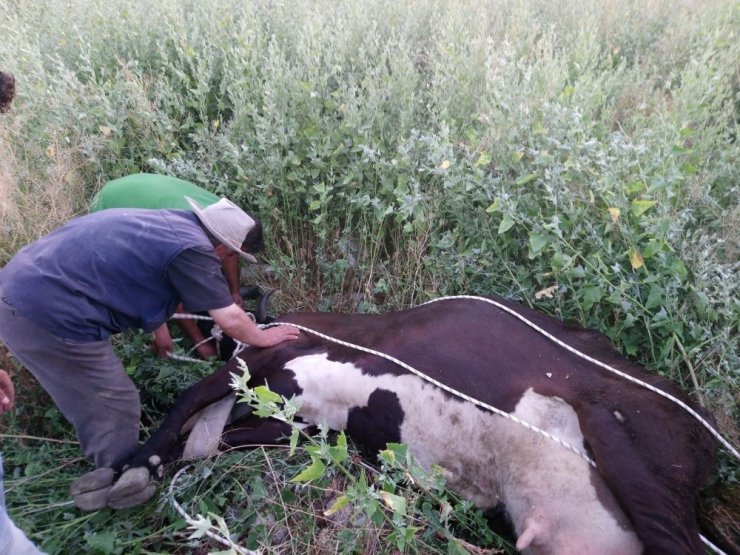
(34, 202)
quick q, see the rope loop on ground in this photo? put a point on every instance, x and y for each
(191, 521)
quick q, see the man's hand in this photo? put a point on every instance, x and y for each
(236, 323)
(206, 351)
(162, 344)
(7, 392)
(277, 334)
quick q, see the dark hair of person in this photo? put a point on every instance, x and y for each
(7, 90)
(254, 242)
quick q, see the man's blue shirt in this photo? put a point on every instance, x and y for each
(115, 270)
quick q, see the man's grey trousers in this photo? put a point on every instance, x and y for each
(86, 380)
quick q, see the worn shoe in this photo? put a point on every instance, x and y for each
(92, 481)
(90, 491)
(92, 500)
(138, 498)
(134, 487)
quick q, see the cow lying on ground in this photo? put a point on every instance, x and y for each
(651, 456)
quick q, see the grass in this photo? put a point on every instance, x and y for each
(395, 152)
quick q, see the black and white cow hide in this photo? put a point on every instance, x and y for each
(651, 456)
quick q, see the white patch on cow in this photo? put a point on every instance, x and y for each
(557, 502)
(619, 416)
(437, 429)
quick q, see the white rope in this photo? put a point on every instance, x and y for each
(187, 316)
(241, 346)
(183, 513)
(185, 358)
(711, 546)
(216, 333)
(551, 337)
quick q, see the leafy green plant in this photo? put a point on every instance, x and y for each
(395, 498)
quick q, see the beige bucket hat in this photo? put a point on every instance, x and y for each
(227, 222)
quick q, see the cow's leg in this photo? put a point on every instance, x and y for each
(161, 446)
(254, 431)
(663, 514)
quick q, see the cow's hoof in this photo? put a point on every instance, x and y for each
(92, 481)
(138, 498)
(92, 500)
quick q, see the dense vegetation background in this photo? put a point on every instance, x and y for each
(579, 156)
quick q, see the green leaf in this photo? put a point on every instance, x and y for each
(446, 241)
(635, 187)
(579, 272)
(267, 396)
(315, 205)
(338, 452)
(102, 543)
(313, 472)
(294, 435)
(339, 502)
(640, 206)
(483, 160)
(655, 297)
(526, 179)
(680, 149)
(505, 224)
(689, 169)
(537, 242)
(396, 503)
(679, 268)
(591, 296)
(394, 453)
(494, 207)
(372, 509)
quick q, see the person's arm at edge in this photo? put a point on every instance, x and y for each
(162, 344)
(231, 273)
(7, 392)
(236, 323)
